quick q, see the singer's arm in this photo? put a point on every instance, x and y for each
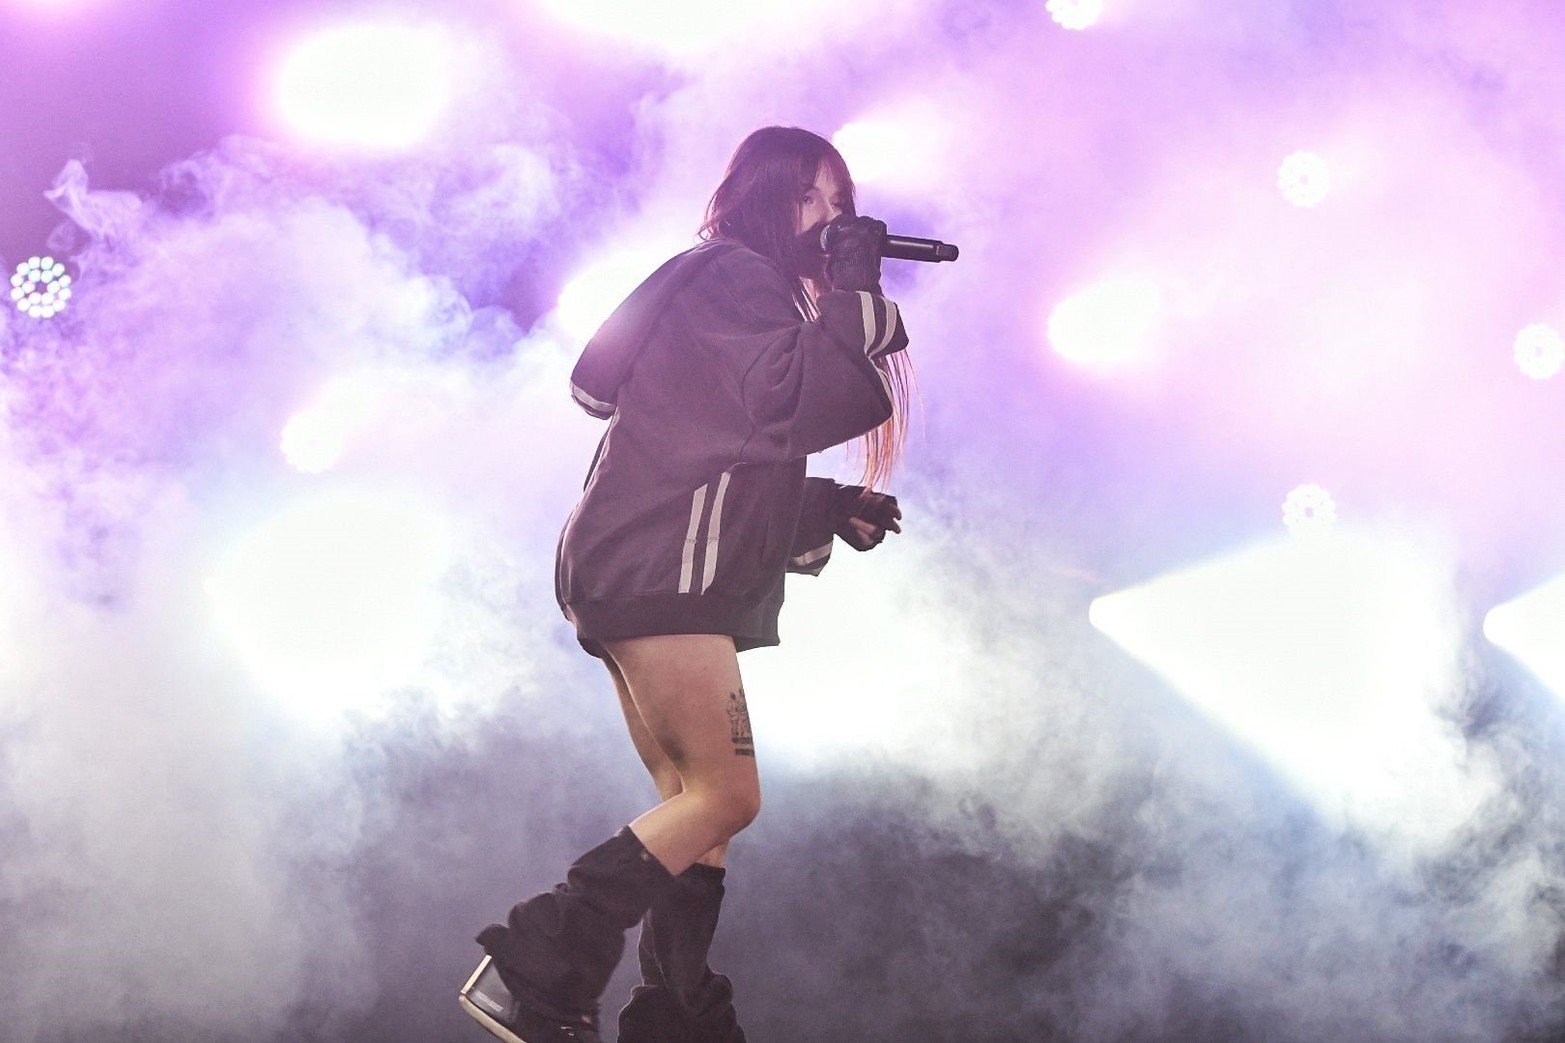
(807, 385)
(812, 539)
(829, 510)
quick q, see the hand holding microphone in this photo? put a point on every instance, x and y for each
(852, 249)
(855, 245)
(897, 247)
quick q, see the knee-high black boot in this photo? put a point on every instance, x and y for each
(681, 1000)
(559, 948)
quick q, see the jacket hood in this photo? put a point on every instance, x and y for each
(607, 360)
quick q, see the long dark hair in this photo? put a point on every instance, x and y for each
(757, 204)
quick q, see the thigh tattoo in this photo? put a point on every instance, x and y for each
(739, 721)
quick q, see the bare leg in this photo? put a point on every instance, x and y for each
(688, 694)
(664, 775)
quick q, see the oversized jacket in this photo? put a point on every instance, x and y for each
(715, 390)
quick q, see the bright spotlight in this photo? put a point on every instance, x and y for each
(874, 150)
(1075, 14)
(1309, 509)
(1539, 351)
(331, 603)
(314, 439)
(1109, 325)
(1305, 179)
(312, 442)
(902, 144)
(1321, 655)
(382, 87)
(40, 288)
(1532, 628)
(680, 26)
(50, 8)
(594, 292)
(684, 29)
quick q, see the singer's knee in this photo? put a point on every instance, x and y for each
(730, 809)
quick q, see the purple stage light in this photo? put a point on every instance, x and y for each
(378, 87)
(1539, 351)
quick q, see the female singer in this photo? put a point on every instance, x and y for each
(719, 376)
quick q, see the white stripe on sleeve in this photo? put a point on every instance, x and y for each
(891, 328)
(868, 301)
(590, 404)
(801, 560)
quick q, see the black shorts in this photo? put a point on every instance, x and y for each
(752, 623)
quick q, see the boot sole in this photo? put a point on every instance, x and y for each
(477, 998)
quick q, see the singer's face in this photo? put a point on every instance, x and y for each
(820, 202)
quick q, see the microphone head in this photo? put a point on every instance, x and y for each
(946, 252)
(841, 221)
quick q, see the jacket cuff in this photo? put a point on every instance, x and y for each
(812, 538)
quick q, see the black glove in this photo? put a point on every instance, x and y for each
(852, 246)
(879, 509)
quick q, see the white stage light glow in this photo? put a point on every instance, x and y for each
(52, 8)
(1539, 351)
(331, 603)
(1323, 655)
(313, 442)
(1305, 179)
(1532, 628)
(378, 87)
(594, 292)
(40, 288)
(1075, 14)
(686, 29)
(873, 149)
(1309, 509)
(841, 705)
(680, 27)
(901, 145)
(1109, 325)
(314, 439)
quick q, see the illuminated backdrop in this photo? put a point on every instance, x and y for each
(1212, 692)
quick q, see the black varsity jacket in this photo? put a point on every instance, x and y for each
(715, 390)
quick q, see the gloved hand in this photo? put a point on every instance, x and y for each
(852, 247)
(862, 518)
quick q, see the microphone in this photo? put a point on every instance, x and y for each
(909, 248)
(904, 247)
